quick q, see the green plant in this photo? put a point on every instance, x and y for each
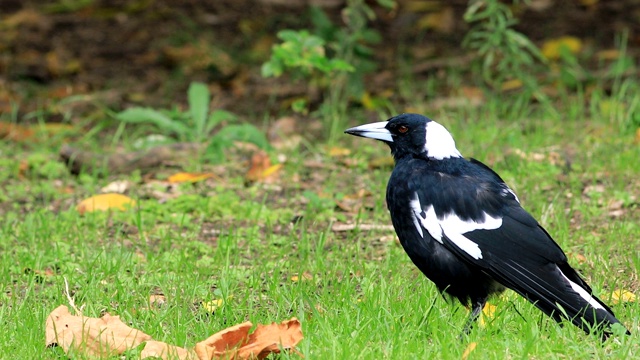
(332, 58)
(505, 53)
(197, 124)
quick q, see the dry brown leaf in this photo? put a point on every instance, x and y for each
(15, 132)
(261, 169)
(105, 202)
(163, 350)
(236, 343)
(223, 342)
(267, 339)
(188, 177)
(157, 300)
(105, 336)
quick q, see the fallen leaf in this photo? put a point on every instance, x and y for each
(105, 336)
(469, 349)
(166, 351)
(305, 276)
(622, 296)
(261, 169)
(15, 132)
(213, 305)
(552, 49)
(188, 177)
(609, 54)
(105, 202)
(120, 187)
(236, 343)
(637, 137)
(510, 85)
(223, 342)
(157, 300)
(488, 311)
(336, 151)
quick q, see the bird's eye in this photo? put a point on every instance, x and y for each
(402, 129)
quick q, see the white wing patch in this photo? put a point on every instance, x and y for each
(583, 293)
(451, 226)
(507, 190)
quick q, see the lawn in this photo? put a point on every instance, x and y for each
(222, 251)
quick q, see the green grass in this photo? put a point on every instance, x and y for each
(365, 300)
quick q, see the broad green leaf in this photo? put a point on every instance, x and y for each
(199, 98)
(140, 115)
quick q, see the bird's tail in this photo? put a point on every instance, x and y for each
(560, 293)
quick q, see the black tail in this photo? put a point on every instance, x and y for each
(559, 292)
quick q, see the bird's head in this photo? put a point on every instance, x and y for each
(411, 134)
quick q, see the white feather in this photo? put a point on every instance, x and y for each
(583, 293)
(451, 226)
(439, 142)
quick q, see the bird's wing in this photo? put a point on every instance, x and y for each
(481, 220)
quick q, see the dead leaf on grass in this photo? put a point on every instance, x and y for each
(120, 187)
(261, 169)
(188, 177)
(622, 296)
(236, 343)
(105, 202)
(105, 336)
(163, 350)
(468, 350)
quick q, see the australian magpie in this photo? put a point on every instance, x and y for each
(464, 228)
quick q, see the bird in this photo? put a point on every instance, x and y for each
(464, 228)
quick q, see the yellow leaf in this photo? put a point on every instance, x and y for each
(551, 49)
(336, 151)
(622, 296)
(511, 85)
(488, 311)
(105, 202)
(213, 305)
(469, 349)
(188, 177)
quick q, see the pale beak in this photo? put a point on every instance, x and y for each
(375, 130)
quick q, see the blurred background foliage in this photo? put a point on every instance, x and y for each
(84, 62)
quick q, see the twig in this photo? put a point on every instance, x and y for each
(72, 303)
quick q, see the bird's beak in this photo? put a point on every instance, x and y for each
(375, 130)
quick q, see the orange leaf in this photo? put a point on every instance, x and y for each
(163, 350)
(105, 202)
(15, 132)
(261, 169)
(236, 343)
(223, 342)
(188, 177)
(106, 336)
(271, 338)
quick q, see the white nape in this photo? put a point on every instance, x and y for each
(439, 142)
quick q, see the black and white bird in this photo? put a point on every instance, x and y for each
(464, 228)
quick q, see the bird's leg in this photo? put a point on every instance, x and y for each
(476, 308)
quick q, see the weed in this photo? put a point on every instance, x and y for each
(197, 124)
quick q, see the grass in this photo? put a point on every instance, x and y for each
(363, 298)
